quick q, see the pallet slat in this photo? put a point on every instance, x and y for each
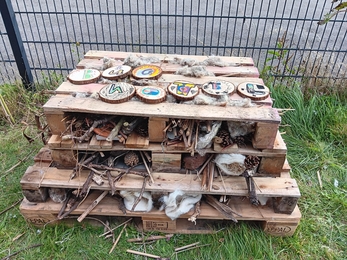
(164, 182)
(275, 224)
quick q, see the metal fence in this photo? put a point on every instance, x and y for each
(282, 37)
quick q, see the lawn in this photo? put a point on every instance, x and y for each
(316, 136)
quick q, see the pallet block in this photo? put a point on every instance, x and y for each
(39, 214)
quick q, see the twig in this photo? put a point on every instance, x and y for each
(210, 176)
(110, 182)
(20, 161)
(194, 247)
(187, 246)
(204, 165)
(10, 207)
(141, 194)
(143, 254)
(147, 168)
(151, 238)
(111, 230)
(21, 250)
(115, 130)
(92, 206)
(319, 180)
(117, 240)
(196, 213)
(87, 134)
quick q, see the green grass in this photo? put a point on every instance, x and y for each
(316, 141)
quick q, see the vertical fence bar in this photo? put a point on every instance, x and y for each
(16, 42)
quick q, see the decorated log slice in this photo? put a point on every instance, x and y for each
(217, 88)
(118, 72)
(183, 90)
(84, 76)
(151, 94)
(147, 72)
(253, 91)
(117, 92)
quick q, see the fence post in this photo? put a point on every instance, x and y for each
(16, 42)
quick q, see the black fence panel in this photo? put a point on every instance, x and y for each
(282, 37)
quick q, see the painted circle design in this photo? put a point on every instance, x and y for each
(117, 72)
(151, 94)
(84, 76)
(254, 91)
(218, 88)
(147, 72)
(117, 92)
(183, 90)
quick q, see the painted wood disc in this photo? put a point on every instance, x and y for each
(183, 90)
(147, 72)
(217, 88)
(253, 91)
(151, 94)
(117, 92)
(84, 76)
(118, 72)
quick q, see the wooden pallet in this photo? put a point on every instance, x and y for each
(266, 118)
(274, 224)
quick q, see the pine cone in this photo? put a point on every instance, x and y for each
(251, 162)
(142, 130)
(239, 140)
(225, 138)
(131, 159)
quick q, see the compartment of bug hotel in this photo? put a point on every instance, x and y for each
(102, 131)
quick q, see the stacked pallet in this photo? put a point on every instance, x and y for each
(160, 163)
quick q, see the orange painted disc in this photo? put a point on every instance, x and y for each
(147, 72)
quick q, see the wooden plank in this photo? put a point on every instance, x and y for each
(265, 135)
(164, 182)
(166, 162)
(40, 214)
(109, 207)
(55, 141)
(267, 115)
(94, 54)
(271, 165)
(56, 122)
(64, 158)
(155, 129)
(136, 141)
(99, 144)
(280, 228)
(68, 87)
